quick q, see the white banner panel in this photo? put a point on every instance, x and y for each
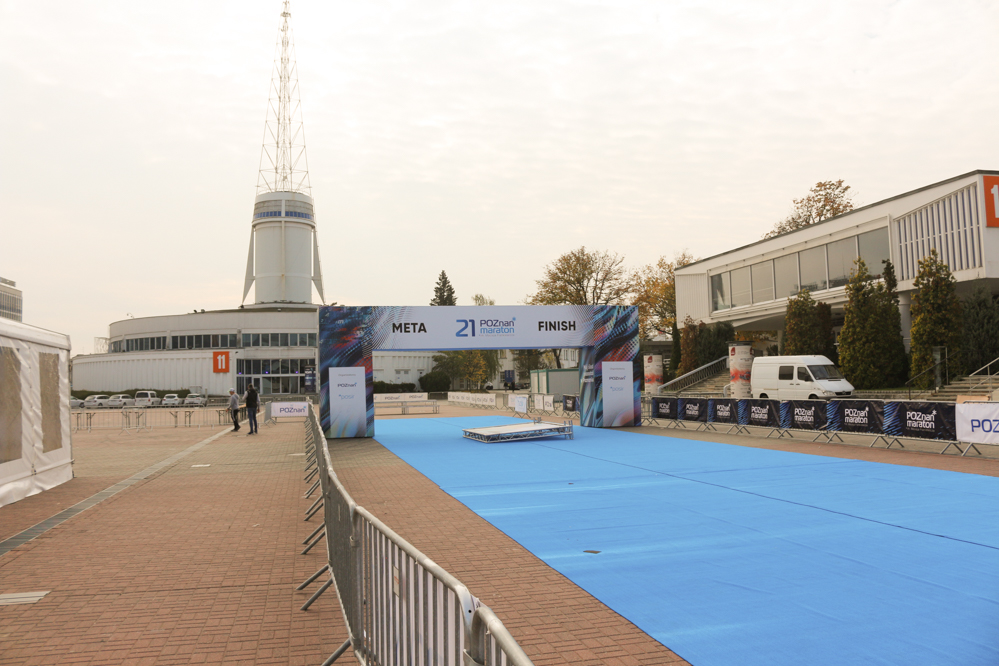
(978, 422)
(618, 390)
(348, 411)
(398, 397)
(483, 327)
(281, 410)
(549, 403)
(539, 402)
(520, 404)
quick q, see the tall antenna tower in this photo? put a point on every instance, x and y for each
(283, 163)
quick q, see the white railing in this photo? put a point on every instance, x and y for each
(696, 375)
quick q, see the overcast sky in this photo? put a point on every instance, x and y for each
(484, 139)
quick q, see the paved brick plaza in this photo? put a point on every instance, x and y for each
(199, 564)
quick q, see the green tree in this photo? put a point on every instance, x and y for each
(525, 360)
(712, 342)
(689, 335)
(655, 294)
(444, 292)
(871, 351)
(823, 313)
(981, 329)
(802, 335)
(936, 317)
(490, 357)
(897, 370)
(435, 382)
(675, 353)
(826, 199)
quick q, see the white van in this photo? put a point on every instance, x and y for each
(147, 399)
(797, 378)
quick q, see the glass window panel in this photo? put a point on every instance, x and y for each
(275, 340)
(786, 276)
(265, 366)
(233, 339)
(10, 405)
(240, 385)
(246, 339)
(286, 385)
(284, 340)
(239, 366)
(295, 386)
(785, 372)
(841, 255)
(189, 344)
(285, 366)
(874, 249)
(742, 288)
(256, 340)
(265, 340)
(312, 339)
(215, 341)
(763, 281)
(294, 366)
(812, 263)
(197, 342)
(48, 374)
(803, 375)
(720, 292)
(265, 385)
(293, 339)
(255, 364)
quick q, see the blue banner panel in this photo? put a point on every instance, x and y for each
(857, 416)
(723, 410)
(763, 413)
(664, 408)
(805, 414)
(693, 409)
(924, 420)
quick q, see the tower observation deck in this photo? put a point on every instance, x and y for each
(283, 260)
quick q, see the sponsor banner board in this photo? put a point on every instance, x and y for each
(693, 409)
(927, 420)
(664, 408)
(740, 369)
(978, 422)
(348, 408)
(282, 410)
(310, 379)
(569, 403)
(618, 393)
(763, 413)
(806, 414)
(520, 404)
(723, 411)
(539, 402)
(549, 403)
(398, 397)
(858, 416)
(653, 372)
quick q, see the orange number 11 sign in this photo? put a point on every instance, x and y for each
(991, 200)
(220, 361)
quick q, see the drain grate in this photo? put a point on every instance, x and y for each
(16, 598)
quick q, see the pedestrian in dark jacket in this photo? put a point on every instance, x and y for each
(252, 401)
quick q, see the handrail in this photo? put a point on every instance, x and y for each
(983, 367)
(944, 362)
(692, 377)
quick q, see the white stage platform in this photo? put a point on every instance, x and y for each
(520, 431)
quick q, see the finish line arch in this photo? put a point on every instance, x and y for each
(607, 336)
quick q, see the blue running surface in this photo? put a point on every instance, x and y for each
(735, 555)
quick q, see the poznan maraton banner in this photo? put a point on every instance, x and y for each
(978, 422)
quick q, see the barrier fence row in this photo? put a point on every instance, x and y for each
(545, 404)
(888, 421)
(142, 418)
(399, 606)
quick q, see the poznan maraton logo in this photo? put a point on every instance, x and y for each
(488, 328)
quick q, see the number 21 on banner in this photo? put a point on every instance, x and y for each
(220, 361)
(991, 184)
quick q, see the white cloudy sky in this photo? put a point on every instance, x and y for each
(480, 138)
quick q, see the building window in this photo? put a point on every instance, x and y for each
(312, 339)
(246, 339)
(841, 254)
(720, 292)
(812, 265)
(763, 281)
(873, 247)
(293, 339)
(265, 340)
(284, 340)
(742, 287)
(786, 276)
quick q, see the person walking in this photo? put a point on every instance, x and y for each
(252, 405)
(234, 409)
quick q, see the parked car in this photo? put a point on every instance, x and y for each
(171, 400)
(121, 400)
(797, 378)
(196, 399)
(75, 403)
(96, 401)
(147, 399)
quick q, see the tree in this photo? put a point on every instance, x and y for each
(435, 382)
(801, 326)
(871, 350)
(689, 335)
(470, 365)
(826, 199)
(981, 329)
(479, 299)
(655, 294)
(490, 357)
(712, 342)
(444, 292)
(583, 277)
(936, 317)
(525, 360)
(827, 339)
(676, 355)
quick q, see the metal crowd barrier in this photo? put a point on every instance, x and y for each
(145, 418)
(399, 606)
(406, 406)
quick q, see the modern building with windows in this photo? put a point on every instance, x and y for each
(11, 305)
(749, 286)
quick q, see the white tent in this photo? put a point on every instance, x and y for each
(35, 437)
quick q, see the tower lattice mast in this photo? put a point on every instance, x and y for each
(284, 166)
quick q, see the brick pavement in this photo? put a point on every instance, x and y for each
(192, 565)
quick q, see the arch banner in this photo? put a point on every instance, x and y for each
(605, 334)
